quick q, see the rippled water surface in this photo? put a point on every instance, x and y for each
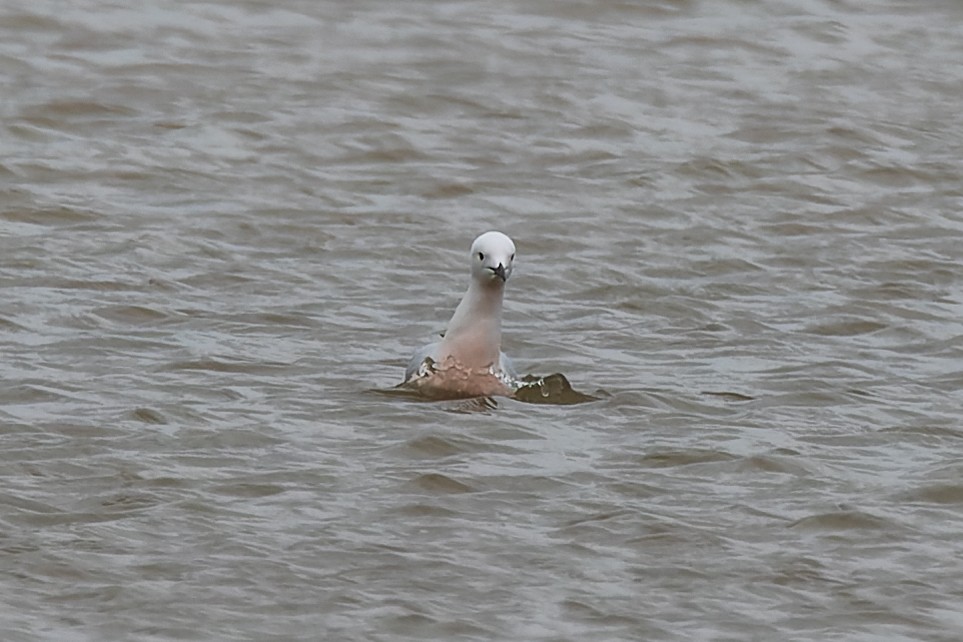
(224, 227)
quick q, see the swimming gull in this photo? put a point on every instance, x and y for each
(468, 361)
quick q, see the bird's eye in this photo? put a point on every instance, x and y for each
(481, 256)
(512, 258)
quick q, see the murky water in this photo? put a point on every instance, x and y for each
(224, 224)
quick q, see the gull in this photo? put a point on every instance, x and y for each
(468, 361)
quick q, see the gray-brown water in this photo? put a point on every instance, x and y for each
(225, 224)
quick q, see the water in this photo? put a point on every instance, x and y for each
(224, 225)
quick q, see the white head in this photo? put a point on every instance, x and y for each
(492, 255)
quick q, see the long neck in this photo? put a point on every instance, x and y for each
(474, 334)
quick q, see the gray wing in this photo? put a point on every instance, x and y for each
(506, 365)
(430, 350)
